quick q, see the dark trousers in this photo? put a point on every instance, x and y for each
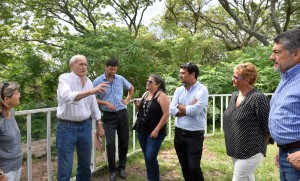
(188, 146)
(112, 122)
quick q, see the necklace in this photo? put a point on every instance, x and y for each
(147, 104)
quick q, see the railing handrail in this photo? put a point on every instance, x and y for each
(34, 111)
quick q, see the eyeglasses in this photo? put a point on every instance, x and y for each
(149, 81)
(5, 84)
(188, 64)
(236, 77)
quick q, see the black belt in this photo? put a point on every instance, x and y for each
(73, 122)
(187, 132)
(115, 112)
(290, 145)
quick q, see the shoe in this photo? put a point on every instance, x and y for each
(113, 176)
(122, 173)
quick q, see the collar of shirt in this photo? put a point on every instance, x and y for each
(192, 87)
(76, 77)
(106, 79)
(291, 72)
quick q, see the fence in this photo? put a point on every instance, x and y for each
(217, 105)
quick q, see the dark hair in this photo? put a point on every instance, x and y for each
(159, 81)
(290, 40)
(190, 67)
(114, 62)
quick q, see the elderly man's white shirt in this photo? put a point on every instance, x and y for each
(69, 87)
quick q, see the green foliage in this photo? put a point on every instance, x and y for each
(114, 42)
(35, 76)
(218, 78)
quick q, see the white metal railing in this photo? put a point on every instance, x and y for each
(212, 101)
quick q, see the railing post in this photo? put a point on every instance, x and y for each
(49, 165)
(93, 146)
(170, 128)
(133, 131)
(117, 146)
(221, 118)
(214, 114)
(226, 102)
(29, 153)
(170, 124)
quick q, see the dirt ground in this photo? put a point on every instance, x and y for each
(39, 172)
(39, 169)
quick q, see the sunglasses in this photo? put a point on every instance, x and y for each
(149, 81)
(236, 77)
(5, 84)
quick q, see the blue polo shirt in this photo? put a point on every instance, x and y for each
(114, 93)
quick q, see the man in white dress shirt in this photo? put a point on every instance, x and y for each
(76, 106)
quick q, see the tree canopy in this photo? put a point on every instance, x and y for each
(38, 37)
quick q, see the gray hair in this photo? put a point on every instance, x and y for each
(290, 40)
(76, 57)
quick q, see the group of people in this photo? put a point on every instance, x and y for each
(251, 121)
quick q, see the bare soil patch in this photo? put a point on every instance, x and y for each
(166, 157)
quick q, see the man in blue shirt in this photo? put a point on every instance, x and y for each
(189, 105)
(284, 118)
(115, 116)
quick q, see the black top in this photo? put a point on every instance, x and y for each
(246, 126)
(155, 113)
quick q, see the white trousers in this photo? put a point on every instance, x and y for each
(244, 168)
(14, 175)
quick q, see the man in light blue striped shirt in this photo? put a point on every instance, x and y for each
(189, 105)
(284, 119)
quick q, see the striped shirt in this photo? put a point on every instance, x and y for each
(284, 119)
(195, 118)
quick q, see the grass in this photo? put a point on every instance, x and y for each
(216, 165)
